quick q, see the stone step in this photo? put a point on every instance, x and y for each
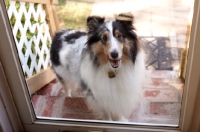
(157, 113)
(47, 106)
(61, 107)
(76, 108)
(163, 83)
(161, 95)
(161, 110)
(161, 74)
(52, 89)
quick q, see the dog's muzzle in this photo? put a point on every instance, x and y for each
(114, 59)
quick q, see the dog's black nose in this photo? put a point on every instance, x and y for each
(114, 54)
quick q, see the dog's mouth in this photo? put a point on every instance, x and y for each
(115, 63)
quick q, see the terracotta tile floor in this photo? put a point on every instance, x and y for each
(160, 103)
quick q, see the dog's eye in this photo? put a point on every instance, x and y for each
(104, 38)
(119, 36)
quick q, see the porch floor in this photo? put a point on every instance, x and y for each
(160, 102)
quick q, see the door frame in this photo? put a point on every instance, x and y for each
(22, 101)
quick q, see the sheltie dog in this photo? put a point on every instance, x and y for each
(106, 60)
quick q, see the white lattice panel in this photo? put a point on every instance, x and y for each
(33, 52)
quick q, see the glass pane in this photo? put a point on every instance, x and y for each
(93, 69)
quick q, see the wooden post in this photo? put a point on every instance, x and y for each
(51, 17)
(184, 54)
(56, 18)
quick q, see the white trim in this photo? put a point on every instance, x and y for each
(109, 122)
(112, 127)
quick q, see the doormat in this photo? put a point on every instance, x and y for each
(159, 54)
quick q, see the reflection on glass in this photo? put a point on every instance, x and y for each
(100, 74)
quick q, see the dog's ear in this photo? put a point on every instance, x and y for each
(93, 22)
(125, 19)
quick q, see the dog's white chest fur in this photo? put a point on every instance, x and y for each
(119, 95)
(83, 60)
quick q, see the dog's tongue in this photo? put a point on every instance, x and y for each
(115, 63)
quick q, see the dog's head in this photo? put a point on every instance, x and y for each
(112, 42)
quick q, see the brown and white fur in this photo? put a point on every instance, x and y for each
(83, 59)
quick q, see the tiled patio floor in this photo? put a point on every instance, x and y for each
(160, 102)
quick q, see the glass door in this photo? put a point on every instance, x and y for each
(163, 33)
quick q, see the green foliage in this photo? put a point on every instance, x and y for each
(40, 44)
(35, 5)
(45, 56)
(34, 71)
(37, 58)
(7, 2)
(33, 48)
(18, 35)
(24, 49)
(12, 20)
(29, 62)
(17, 5)
(42, 67)
(73, 14)
(27, 6)
(25, 75)
(48, 44)
(23, 19)
(29, 35)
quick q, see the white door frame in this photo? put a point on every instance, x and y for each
(17, 85)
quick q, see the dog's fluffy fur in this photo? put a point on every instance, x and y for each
(82, 59)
